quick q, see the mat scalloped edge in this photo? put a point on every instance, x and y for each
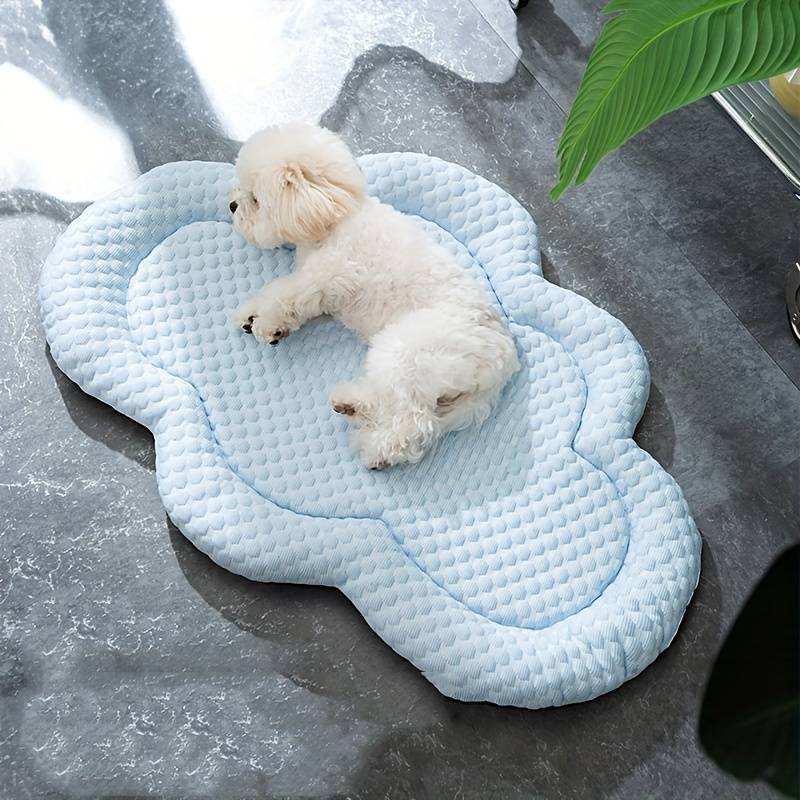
(549, 571)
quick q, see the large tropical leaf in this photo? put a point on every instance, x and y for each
(658, 55)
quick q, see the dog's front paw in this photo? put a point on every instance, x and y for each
(349, 399)
(265, 323)
(244, 316)
(374, 460)
(373, 449)
(268, 330)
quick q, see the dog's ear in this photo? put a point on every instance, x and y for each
(306, 202)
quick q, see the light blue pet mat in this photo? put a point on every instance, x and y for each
(540, 559)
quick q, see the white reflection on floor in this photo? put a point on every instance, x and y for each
(267, 61)
(56, 145)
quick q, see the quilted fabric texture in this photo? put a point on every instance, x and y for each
(540, 559)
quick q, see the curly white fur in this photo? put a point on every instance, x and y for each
(439, 353)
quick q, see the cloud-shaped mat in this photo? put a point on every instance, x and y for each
(541, 559)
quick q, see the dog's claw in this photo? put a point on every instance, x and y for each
(344, 408)
(276, 336)
(378, 465)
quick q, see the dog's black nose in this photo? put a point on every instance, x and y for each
(233, 206)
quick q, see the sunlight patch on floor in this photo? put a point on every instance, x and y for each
(56, 145)
(267, 62)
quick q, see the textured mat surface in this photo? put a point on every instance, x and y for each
(541, 559)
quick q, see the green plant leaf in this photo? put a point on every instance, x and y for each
(657, 55)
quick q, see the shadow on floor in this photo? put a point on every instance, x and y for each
(129, 56)
(655, 432)
(102, 423)
(28, 201)
(344, 114)
(549, 270)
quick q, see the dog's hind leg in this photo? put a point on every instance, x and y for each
(399, 438)
(353, 400)
(465, 408)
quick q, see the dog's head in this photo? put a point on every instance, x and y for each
(296, 182)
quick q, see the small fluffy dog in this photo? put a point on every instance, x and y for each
(439, 353)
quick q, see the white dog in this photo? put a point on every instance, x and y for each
(439, 353)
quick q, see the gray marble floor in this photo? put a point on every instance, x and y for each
(131, 665)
